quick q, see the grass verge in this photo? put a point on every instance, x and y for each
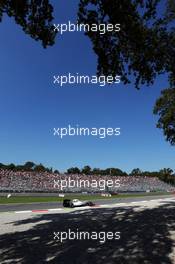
(44, 199)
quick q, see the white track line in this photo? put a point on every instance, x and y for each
(55, 209)
(96, 207)
(23, 212)
(121, 204)
(38, 211)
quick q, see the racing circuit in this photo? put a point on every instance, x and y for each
(136, 224)
(146, 225)
(20, 207)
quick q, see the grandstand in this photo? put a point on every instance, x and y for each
(29, 181)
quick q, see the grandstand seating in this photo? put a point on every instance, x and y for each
(23, 181)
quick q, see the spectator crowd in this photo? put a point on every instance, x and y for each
(30, 181)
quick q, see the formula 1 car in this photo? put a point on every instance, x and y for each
(76, 203)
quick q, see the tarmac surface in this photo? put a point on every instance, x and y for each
(146, 226)
(51, 205)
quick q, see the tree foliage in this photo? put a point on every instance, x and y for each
(145, 45)
(165, 174)
(143, 49)
(34, 16)
(165, 108)
(136, 172)
(86, 170)
(73, 170)
(28, 166)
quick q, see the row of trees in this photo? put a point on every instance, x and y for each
(165, 174)
(28, 166)
(96, 171)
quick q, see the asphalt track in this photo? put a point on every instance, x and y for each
(53, 205)
(146, 226)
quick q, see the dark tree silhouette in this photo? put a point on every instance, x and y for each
(144, 47)
(165, 108)
(34, 16)
(73, 170)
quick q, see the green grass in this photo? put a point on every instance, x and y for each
(42, 199)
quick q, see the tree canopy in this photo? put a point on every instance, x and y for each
(143, 49)
(165, 174)
(34, 16)
(165, 108)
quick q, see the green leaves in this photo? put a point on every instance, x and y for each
(165, 108)
(143, 49)
(140, 49)
(35, 18)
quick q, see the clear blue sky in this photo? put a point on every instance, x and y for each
(30, 106)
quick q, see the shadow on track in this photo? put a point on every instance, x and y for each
(145, 237)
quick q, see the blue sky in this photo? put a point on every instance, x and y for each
(30, 106)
